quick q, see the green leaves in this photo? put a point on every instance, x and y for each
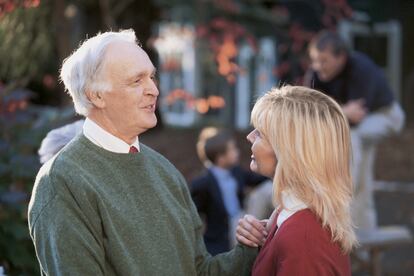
(18, 257)
(24, 30)
(22, 129)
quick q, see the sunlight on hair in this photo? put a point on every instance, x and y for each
(310, 137)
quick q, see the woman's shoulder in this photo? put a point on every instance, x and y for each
(303, 232)
(300, 222)
(301, 229)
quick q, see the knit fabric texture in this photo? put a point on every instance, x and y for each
(95, 212)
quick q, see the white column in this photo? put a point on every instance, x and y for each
(243, 87)
(265, 63)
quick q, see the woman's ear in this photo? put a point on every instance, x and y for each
(96, 98)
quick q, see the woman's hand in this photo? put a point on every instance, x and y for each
(251, 232)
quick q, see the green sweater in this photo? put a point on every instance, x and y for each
(95, 212)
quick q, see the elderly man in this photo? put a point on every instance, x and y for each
(360, 86)
(107, 204)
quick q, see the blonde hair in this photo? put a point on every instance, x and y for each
(205, 134)
(310, 136)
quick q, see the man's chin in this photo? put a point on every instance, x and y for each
(325, 78)
(147, 127)
(153, 124)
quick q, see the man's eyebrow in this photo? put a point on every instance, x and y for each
(140, 75)
(143, 74)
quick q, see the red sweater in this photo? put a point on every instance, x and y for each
(301, 247)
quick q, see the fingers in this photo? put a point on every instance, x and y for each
(245, 241)
(254, 238)
(255, 224)
(241, 239)
(271, 219)
(265, 223)
(360, 115)
(355, 110)
(360, 101)
(251, 231)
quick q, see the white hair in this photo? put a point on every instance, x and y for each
(57, 138)
(81, 71)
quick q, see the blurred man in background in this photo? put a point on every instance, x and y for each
(360, 87)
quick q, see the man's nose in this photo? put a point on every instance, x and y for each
(316, 66)
(152, 89)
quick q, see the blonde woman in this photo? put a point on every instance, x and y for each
(301, 140)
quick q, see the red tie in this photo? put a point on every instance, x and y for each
(133, 149)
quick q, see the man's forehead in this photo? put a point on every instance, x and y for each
(123, 49)
(125, 56)
(318, 54)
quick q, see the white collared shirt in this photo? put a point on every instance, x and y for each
(291, 205)
(104, 139)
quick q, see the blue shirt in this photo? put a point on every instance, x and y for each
(228, 187)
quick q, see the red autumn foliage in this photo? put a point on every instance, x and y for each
(7, 6)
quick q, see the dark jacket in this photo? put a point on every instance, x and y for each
(208, 199)
(361, 78)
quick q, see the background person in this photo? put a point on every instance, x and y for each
(259, 202)
(360, 87)
(219, 191)
(57, 138)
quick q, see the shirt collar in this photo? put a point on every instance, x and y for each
(220, 172)
(291, 205)
(106, 140)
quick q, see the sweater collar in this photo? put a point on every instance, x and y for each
(291, 205)
(104, 139)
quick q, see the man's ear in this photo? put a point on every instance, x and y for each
(96, 98)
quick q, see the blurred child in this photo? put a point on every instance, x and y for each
(219, 192)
